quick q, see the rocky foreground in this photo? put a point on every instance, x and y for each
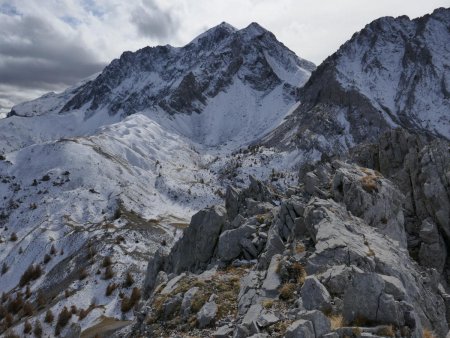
(350, 252)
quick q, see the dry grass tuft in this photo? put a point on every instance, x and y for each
(287, 291)
(428, 334)
(369, 183)
(337, 321)
(387, 331)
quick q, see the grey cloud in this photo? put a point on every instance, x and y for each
(34, 55)
(153, 22)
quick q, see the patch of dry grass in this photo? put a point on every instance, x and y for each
(428, 334)
(287, 291)
(337, 321)
(370, 183)
(387, 331)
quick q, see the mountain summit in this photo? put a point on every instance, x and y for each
(231, 85)
(393, 73)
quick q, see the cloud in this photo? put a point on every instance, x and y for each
(35, 54)
(49, 45)
(151, 21)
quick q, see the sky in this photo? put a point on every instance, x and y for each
(48, 45)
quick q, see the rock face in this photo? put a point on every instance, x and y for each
(337, 248)
(393, 73)
(420, 168)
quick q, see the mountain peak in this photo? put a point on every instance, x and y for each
(254, 29)
(220, 31)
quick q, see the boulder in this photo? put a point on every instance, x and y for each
(223, 332)
(272, 282)
(314, 295)
(171, 305)
(229, 246)
(207, 314)
(368, 195)
(196, 248)
(433, 251)
(300, 329)
(321, 323)
(186, 304)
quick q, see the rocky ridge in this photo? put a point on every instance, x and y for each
(329, 259)
(393, 73)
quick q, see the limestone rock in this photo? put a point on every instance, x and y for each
(300, 329)
(321, 323)
(314, 295)
(207, 314)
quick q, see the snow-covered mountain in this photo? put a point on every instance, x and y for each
(98, 178)
(393, 73)
(115, 166)
(226, 86)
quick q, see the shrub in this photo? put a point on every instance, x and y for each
(298, 272)
(73, 309)
(41, 300)
(47, 258)
(110, 289)
(33, 272)
(5, 297)
(129, 303)
(11, 334)
(109, 273)
(64, 317)
(428, 334)
(16, 304)
(106, 261)
(28, 309)
(337, 321)
(46, 178)
(287, 291)
(27, 327)
(37, 329)
(129, 280)
(8, 320)
(369, 183)
(49, 316)
(82, 274)
(386, 331)
(2, 312)
(13, 237)
(5, 268)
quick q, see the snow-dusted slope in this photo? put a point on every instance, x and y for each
(132, 180)
(116, 165)
(394, 72)
(227, 85)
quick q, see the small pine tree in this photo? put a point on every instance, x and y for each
(47, 258)
(109, 273)
(63, 317)
(28, 309)
(37, 329)
(5, 268)
(49, 317)
(27, 327)
(8, 320)
(106, 261)
(129, 280)
(53, 250)
(27, 292)
(13, 237)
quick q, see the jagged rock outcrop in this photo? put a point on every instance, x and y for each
(421, 170)
(337, 260)
(393, 73)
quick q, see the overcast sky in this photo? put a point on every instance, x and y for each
(47, 45)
